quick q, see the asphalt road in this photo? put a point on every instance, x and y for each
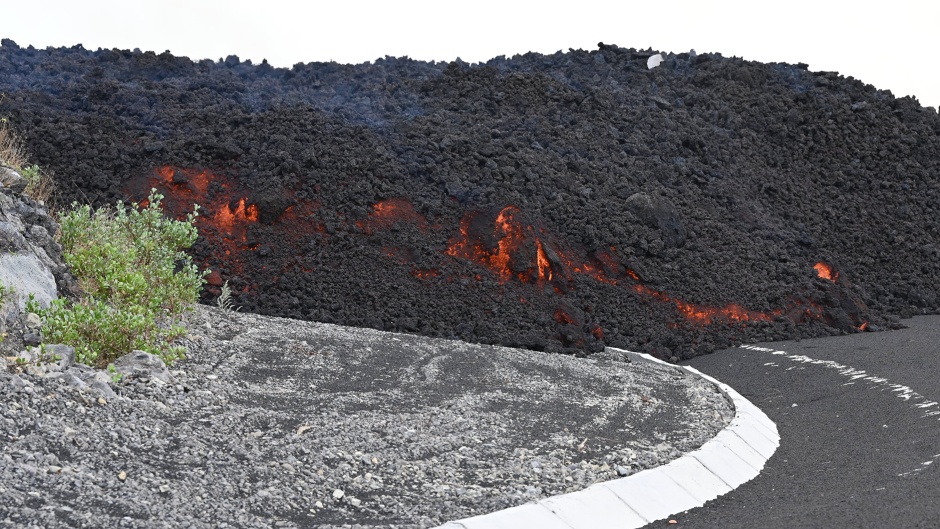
(859, 422)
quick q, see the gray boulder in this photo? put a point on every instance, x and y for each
(31, 262)
(141, 364)
(12, 180)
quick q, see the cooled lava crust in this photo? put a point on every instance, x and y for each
(554, 202)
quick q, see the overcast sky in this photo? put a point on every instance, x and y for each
(894, 45)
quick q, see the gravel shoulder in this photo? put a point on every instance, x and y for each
(284, 423)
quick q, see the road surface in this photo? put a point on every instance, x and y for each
(859, 422)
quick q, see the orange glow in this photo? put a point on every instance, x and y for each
(825, 271)
(226, 218)
(514, 241)
(863, 326)
(563, 318)
(421, 273)
(190, 186)
(185, 181)
(512, 257)
(545, 268)
(704, 314)
(166, 173)
(385, 213)
(223, 220)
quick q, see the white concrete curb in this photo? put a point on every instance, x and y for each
(736, 455)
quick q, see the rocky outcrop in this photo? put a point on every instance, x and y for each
(31, 264)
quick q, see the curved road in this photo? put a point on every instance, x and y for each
(859, 421)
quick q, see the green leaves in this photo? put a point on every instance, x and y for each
(127, 262)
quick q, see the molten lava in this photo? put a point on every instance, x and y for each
(425, 273)
(512, 258)
(703, 314)
(220, 215)
(227, 219)
(826, 272)
(517, 253)
(505, 242)
(388, 212)
(545, 268)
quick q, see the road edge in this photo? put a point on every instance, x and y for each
(736, 455)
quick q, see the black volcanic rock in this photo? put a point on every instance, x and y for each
(559, 202)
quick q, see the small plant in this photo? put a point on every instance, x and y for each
(136, 278)
(40, 185)
(40, 357)
(32, 305)
(115, 376)
(224, 300)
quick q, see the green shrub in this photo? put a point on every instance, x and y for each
(137, 282)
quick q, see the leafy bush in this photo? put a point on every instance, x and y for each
(137, 282)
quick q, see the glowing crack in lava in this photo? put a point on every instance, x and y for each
(826, 272)
(224, 221)
(507, 247)
(504, 242)
(512, 249)
(227, 218)
(386, 213)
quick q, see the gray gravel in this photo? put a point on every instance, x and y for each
(281, 423)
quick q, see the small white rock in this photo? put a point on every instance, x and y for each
(338, 494)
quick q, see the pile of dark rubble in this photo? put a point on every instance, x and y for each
(672, 210)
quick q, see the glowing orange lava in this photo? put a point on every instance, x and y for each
(385, 213)
(825, 271)
(518, 252)
(226, 218)
(545, 268)
(191, 186)
(425, 273)
(515, 239)
(224, 221)
(564, 318)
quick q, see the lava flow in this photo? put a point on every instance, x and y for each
(826, 272)
(509, 247)
(504, 241)
(228, 217)
(506, 245)
(386, 213)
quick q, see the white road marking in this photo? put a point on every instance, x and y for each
(903, 392)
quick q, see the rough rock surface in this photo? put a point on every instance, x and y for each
(491, 202)
(30, 263)
(274, 422)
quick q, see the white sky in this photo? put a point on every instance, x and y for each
(894, 45)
